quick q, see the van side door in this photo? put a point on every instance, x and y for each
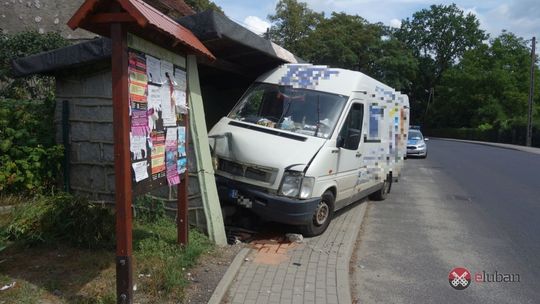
(349, 155)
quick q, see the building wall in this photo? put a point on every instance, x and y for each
(91, 166)
(52, 15)
(42, 16)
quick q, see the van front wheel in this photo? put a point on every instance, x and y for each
(322, 216)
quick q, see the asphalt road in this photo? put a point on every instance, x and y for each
(466, 205)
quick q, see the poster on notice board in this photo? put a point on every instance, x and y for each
(157, 107)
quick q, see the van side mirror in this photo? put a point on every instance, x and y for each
(353, 140)
(350, 142)
(340, 141)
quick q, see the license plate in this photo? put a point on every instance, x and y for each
(233, 193)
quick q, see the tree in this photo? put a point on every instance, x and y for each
(438, 37)
(393, 63)
(488, 88)
(292, 22)
(351, 42)
(202, 5)
(442, 33)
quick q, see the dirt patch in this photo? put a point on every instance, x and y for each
(68, 275)
(57, 274)
(206, 275)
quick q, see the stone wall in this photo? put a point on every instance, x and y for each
(91, 168)
(52, 15)
(42, 16)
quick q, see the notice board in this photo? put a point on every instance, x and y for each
(158, 114)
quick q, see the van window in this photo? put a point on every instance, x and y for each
(352, 128)
(376, 114)
(301, 111)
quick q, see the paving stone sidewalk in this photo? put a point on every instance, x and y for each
(314, 271)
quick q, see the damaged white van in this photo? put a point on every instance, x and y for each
(307, 140)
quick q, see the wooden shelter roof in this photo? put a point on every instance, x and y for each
(141, 19)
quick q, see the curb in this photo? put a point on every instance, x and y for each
(533, 150)
(228, 277)
(342, 273)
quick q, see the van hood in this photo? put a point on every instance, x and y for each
(260, 146)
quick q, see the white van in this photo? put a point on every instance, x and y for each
(306, 140)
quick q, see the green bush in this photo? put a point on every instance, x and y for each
(29, 159)
(61, 218)
(148, 209)
(23, 44)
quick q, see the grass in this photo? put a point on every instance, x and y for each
(161, 265)
(57, 272)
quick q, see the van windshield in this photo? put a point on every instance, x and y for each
(300, 111)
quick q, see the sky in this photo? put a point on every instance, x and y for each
(521, 17)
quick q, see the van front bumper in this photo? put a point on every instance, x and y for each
(268, 206)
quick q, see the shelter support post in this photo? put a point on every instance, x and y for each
(199, 136)
(122, 165)
(182, 198)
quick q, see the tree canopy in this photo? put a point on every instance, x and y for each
(293, 22)
(454, 74)
(202, 5)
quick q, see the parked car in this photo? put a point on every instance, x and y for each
(416, 144)
(305, 141)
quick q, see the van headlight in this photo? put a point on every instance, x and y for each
(294, 184)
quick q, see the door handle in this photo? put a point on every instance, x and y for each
(358, 154)
(335, 151)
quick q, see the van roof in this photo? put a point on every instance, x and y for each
(333, 80)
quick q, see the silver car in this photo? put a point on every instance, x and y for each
(416, 144)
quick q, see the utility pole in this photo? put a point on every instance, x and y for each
(531, 95)
(431, 98)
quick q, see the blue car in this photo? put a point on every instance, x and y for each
(416, 144)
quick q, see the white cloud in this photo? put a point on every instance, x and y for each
(396, 23)
(256, 24)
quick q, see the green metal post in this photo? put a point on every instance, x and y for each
(199, 140)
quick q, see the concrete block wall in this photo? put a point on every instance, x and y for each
(91, 168)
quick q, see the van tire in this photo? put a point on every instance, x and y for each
(382, 193)
(322, 216)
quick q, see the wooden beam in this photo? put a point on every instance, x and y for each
(110, 18)
(122, 164)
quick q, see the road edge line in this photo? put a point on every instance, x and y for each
(533, 150)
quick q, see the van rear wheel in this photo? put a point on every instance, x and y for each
(322, 216)
(382, 193)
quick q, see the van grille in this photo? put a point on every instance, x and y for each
(247, 171)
